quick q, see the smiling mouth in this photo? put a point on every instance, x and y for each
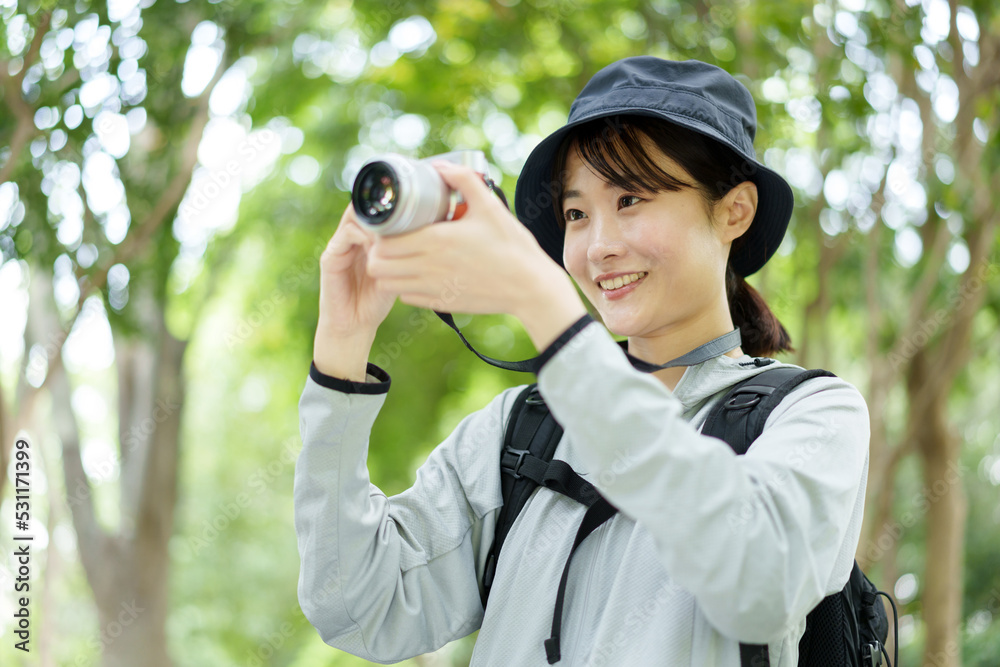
(622, 281)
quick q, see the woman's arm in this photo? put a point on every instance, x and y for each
(390, 578)
(757, 539)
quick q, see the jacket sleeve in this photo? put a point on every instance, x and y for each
(390, 578)
(757, 539)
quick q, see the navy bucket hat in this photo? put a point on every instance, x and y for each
(692, 94)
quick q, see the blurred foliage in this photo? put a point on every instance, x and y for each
(422, 78)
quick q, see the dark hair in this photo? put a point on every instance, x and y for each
(614, 147)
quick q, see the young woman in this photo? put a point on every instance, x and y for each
(653, 201)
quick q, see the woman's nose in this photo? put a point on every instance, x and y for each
(605, 242)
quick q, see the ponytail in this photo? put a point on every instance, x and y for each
(762, 334)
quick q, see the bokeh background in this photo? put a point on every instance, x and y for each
(170, 172)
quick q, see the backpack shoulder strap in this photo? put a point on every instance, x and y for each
(740, 416)
(526, 462)
(531, 433)
(739, 419)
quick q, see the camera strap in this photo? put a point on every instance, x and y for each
(713, 348)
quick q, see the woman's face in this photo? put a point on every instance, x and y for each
(664, 243)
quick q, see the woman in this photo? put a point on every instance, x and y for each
(653, 201)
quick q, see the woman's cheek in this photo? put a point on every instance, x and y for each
(573, 260)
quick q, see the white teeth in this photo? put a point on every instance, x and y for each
(621, 281)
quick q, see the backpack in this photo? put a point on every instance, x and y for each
(848, 628)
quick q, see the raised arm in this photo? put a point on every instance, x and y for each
(390, 578)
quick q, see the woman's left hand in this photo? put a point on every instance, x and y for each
(485, 262)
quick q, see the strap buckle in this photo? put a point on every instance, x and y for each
(535, 398)
(513, 470)
(752, 395)
(735, 403)
(871, 654)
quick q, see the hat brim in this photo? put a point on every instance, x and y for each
(535, 196)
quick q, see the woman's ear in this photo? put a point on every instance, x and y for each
(736, 210)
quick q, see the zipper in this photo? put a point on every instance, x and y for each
(590, 576)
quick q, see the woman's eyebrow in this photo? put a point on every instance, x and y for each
(570, 194)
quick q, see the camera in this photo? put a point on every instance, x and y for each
(393, 194)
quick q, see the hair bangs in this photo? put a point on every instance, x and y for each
(626, 152)
(620, 153)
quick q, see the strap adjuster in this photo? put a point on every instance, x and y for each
(735, 403)
(756, 393)
(514, 469)
(871, 654)
(535, 397)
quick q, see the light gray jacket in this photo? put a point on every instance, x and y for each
(708, 549)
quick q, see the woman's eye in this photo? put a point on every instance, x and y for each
(573, 214)
(628, 200)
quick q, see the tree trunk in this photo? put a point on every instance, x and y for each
(143, 616)
(128, 569)
(938, 448)
(133, 633)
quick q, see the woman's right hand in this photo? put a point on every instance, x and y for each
(350, 307)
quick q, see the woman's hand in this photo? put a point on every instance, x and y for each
(351, 305)
(485, 262)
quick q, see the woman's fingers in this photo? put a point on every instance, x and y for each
(409, 244)
(472, 261)
(347, 245)
(351, 232)
(435, 239)
(467, 181)
(380, 267)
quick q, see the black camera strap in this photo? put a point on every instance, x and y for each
(713, 348)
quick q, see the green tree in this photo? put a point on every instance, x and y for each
(111, 192)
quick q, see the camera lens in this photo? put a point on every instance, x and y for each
(376, 192)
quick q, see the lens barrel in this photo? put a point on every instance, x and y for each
(376, 193)
(393, 194)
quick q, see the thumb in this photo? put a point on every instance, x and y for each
(468, 182)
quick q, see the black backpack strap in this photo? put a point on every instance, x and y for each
(532, 435)
(740, 416)
(739, 420)
(522, 417)
(596, 515)
(530, 441)
(754, 655)
(556, 475)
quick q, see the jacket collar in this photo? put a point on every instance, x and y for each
(706, 380)
(703, 381)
